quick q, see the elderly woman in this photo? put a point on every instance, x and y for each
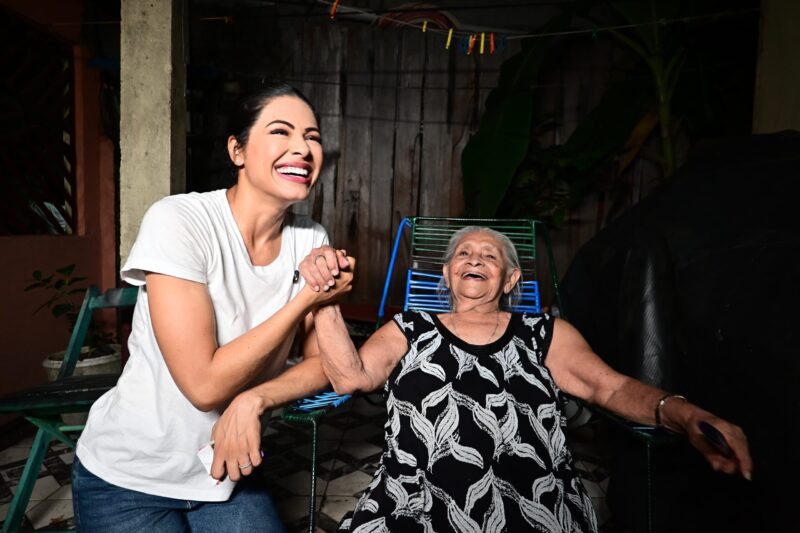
(475, 436)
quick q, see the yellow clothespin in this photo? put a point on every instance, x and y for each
(424, 26)
(483, 38)
(449, 38)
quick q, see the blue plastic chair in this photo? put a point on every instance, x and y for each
(429, 237)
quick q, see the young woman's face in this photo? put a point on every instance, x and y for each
(283, 155)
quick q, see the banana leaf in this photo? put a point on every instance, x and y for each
(491, 157)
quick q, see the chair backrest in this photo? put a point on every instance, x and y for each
(428, 245)
(112, 298)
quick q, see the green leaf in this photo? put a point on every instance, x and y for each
(66, 270)
(46, 304)
(76, 279)
(33, 286)
(37, 274)
(61, 309)
(492, 156)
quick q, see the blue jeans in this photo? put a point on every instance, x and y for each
(101, 507)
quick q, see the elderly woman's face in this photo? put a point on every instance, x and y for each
(477, 270)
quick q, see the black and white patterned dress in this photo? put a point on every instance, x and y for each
(474, 439)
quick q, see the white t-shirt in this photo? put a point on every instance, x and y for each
(144, 434)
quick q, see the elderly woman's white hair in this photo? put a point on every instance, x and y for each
(511, 261)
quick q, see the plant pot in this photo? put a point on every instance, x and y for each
(103, 364)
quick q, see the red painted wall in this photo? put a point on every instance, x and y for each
(28, 338)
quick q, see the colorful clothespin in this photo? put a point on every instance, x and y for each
(333, 9)
(424, 26)
(483, 39)
(449, 38)
(491, 43)
(472, 39)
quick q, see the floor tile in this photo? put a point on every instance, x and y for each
(364, 432)
(15, 454)
(45, 486)
(295, 508)
(349, 485)
(50, 512)
(299, 484)
(593, 489)
(67, 458)
(324, 446)
(337, 506)
(360, 449)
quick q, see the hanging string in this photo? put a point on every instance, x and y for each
(593, 30)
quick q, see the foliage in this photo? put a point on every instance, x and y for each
(508, 172)
(62, 287)
(492, 156)
(554, 179)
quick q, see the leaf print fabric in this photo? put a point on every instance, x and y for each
(474, 438)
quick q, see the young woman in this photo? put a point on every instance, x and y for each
(220, 302)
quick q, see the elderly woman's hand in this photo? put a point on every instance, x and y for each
(321, 267)
(731, 456)
(237, 437)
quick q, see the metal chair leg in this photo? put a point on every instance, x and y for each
(27, 480)
(312, 506)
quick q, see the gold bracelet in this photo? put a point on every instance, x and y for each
(660, 405)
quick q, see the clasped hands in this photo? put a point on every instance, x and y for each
(237, 434)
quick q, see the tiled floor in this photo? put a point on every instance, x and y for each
(350, 443)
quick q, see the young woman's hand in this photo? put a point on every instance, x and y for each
(322, 266)
(237, 438)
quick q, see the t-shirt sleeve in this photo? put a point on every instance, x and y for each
(173, 240)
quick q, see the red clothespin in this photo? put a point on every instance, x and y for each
(472, 39)
(491, 43)
(333, 9)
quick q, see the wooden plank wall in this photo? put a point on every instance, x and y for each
(396, 110)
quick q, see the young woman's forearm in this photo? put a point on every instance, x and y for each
(238, 362)
(301, 380)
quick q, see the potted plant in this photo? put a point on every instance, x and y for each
(100, 353)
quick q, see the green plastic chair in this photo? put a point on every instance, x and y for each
(43, 405)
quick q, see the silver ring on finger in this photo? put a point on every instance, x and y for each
(248, 465)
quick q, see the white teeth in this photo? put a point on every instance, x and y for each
(293, 170)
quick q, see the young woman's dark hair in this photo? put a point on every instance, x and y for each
(249, 106)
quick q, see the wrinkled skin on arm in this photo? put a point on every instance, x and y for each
(578, 371)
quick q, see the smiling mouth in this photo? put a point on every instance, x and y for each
(473, 275)
(296, 174)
